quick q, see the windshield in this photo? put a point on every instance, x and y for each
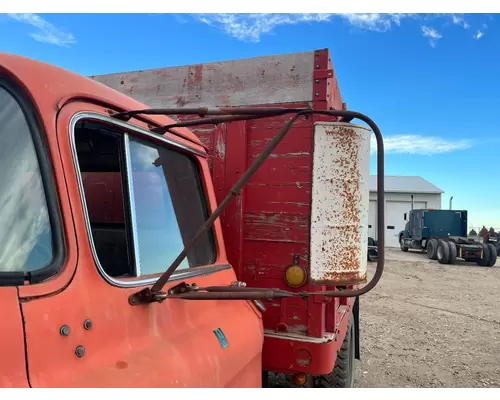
(25, 233)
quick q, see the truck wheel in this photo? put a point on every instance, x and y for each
(401, 244)
(432, 249)
(453, 253)
(493, 255)
(485, 260)
(342, 375)
(443, 252)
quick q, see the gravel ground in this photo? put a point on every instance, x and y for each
(431, 325)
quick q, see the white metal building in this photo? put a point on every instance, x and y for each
(398, 191)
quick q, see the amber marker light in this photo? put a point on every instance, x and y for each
(300, 379)
(295, 276)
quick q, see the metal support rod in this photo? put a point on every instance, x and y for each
(202, 111)
(205, 121)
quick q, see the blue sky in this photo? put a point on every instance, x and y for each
(430, 81)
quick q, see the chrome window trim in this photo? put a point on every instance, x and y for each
(131, 200)
(143, 132)
(182, 274)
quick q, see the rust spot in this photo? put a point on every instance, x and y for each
(220, 148)
(121, 365)
(297, 329)
(181, 101)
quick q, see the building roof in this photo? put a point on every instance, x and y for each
(405, 184)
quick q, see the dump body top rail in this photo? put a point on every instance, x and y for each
(287, 78)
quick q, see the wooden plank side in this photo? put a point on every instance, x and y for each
(266, 254)
(297, 143)
(277, 213)
(278, 198)
(277, 227)
(284, 171)
(286, 78)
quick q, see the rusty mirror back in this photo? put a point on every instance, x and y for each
(340, 199)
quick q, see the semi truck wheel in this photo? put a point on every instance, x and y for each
(453, 253)
(432, 246)
(485, 260)
(493, 255)
(443, 252)
(401, 244)
(342, 375)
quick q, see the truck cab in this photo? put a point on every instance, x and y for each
(442, 234)
(93, 210)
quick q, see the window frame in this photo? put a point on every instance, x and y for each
(38, 136)
(129, 129)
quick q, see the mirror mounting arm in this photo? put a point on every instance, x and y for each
(155, 293)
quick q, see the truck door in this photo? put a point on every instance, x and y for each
(22, 229)
(125, 222)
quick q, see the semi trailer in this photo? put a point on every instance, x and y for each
(443, 235)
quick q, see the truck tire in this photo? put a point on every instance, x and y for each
(342, 375)
(443, 252)
(453, 253)
(432, 249)
(493, 255)
(485, 260)
(401, 244)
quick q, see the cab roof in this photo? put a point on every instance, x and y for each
(51, 86)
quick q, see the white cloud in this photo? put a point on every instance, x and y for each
(374, 22)
(432, 34)
(250, 27)
(480, 32)
(47, 33)
(478, 35)
(460, 21)
(420, 145)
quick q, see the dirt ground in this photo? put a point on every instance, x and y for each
(431, 325)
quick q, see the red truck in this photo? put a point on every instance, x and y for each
(272, 230)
